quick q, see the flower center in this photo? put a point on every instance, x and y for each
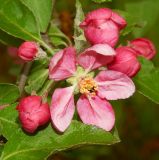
(88, 86)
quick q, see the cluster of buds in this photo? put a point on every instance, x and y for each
(102, 29)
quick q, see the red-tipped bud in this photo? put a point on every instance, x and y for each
(125, 61)
(143, 47)
(28, 51)
(33, 113)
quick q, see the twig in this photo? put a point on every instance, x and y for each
(23, 77)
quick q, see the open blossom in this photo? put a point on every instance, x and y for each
(28, 51)
(143, 47)
(103, 26)
(92, 106)
(125, 61)
(33, 113)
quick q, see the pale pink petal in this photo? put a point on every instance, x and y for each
(96, 56)
(63, 64)
(120, 21)
(96, 111)
(114, 85)
(107, 32)
(62, 108)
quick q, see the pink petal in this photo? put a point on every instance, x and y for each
(114, 85)
(62, 108)
(102, 13)
(96, 111)
(29, 103)
(106, 32)
(125, 61)
(143, 47)
(63, 64)
(96, 56)
(120, 21)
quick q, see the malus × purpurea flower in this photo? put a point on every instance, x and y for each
(143, 47)
(125, 61)
(28, 51)
(103, 26)
(92, 106)
(33, 113)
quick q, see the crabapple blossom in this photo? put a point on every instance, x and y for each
(103, 26)
(125, 61)
(143, 47)
(33, 113)
(28, 51)
(92, 106)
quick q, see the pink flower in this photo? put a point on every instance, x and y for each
(28, 51)
(125, 61)
(92, 106)
(143, 47)
(103, 26)
(33, 113)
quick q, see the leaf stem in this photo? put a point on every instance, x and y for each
(23, 76)
(47, 87)
(46, 46)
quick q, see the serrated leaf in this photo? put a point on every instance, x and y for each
(147, 80)
(42, 11)
(81, 42)
(7, 39)
(36, 80)
(101, 1)
(17, 20)
(8, 93)
(46, 141)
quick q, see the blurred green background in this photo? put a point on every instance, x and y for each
(137, 118)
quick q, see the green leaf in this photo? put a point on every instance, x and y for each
(101, 1)
(1, 148)
(17, 20)
(145, 11)
(8, 121)
(132, 23)
(42, 11)
(79, 38)
(147, 80)
(8, 93)
(57, 37)
(7, 39)
(36, 80)
(46, 141)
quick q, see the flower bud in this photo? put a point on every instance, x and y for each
(103, 26)
(125, 61)
(28, 51)
(33, 113)
(143, 47)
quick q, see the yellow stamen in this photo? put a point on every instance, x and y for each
(88, 86)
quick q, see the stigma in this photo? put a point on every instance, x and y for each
(88, 86)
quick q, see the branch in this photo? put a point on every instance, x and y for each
(24, 76)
